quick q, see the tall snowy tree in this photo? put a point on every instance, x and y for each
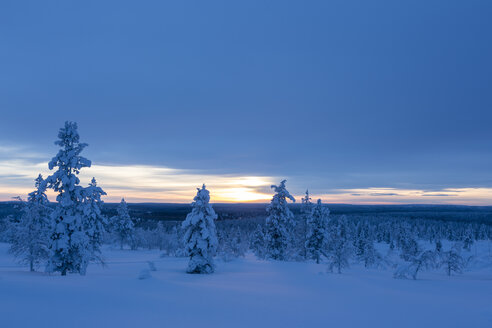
(340, 248)
(69, 244)
(468, 239)
(364, 245)
(122, 224)
(200, 237)
(30, 232)
(237, 243)
(370, 256)
(225, 246)
(230, 244)
(95, 221)
(302, 228)
(257, 243)
(278, 221)
(316, 236)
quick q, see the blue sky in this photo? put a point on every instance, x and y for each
(361, 101)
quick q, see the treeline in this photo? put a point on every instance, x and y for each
(67, 235)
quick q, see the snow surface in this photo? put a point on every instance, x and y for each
(242, 293)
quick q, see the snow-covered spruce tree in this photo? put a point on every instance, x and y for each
(224, 246)
(360, 239)
(438, 247)
(316, 235)
(410, 248)
(370, 257)
(95, 221)
(302, 229)
(237, 243)
(339, 245)
(200, 236)
(69, 244)
(230, 244)
(257, 243)
(364, 245)
(468, 239)
(122, 224)
(30, 232)
(278, 223)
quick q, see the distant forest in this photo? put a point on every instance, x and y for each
(148, 212)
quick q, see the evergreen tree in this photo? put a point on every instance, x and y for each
(410, 248)
(200, 237)
(306, 211)
(257, 243)
(224, 247)
(316, 236)
(237, 243)
(438, 247)
(69, 244)
(278, 221)
(122, 224)
(95, 221)
(360, 239)
(370, 257)
(340, 248)
(468, 239)
(30, 232)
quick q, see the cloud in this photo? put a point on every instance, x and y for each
(384, 194)
(438, 195)
(141, 182)
(147, 183)
(465, 196)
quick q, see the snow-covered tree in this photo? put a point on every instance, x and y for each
(278, 223)
(416, 263)
(122, 224)
(340, 248)
(30, 232)
(364, 246)
(438, 246)
(302, 228)
(316, 235)
(230, 244)
(370, 257)
(257, 243)
(452, 261)
(237, 243)
(225, 246)
(408, 244)
(468, 239)
(95, 221)
(200, 237)
(69, 244)
(168, 239)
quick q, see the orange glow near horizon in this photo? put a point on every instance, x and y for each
(141, 183)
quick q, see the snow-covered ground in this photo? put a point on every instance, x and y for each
(242, 293)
